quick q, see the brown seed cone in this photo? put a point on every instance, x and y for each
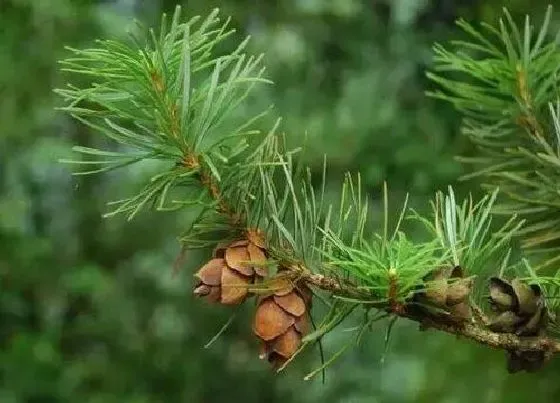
(520, 308)
(447, 289)
(227, 277)
(280, 323)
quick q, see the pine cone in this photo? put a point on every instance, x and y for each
(226, 278)
(447, 290)
(520, 309)
(281, 320)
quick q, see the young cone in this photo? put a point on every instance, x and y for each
(226, 278)
(446, 293)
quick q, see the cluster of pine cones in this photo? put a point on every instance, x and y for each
(282, 315)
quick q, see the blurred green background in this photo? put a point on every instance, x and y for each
(90, 310)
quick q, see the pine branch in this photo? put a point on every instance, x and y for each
(174, 100)
(472, 331)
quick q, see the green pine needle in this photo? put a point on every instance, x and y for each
(504, 80)
(169, 95)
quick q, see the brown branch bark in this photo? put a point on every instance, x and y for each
(469, 330)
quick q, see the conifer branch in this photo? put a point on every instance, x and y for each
(174, 100)
(472, 331)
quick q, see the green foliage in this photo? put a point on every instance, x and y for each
(504, 81)
(466, 229)
(145, 100)
(163, 100)
(139, 339)
(390, 266)
(145, 87)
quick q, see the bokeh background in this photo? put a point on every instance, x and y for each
(90, 310)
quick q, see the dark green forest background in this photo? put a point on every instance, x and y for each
(90, 310)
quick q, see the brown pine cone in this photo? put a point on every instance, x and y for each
(281, 321)
(520, 309)
(447, 290)
(226, 278)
